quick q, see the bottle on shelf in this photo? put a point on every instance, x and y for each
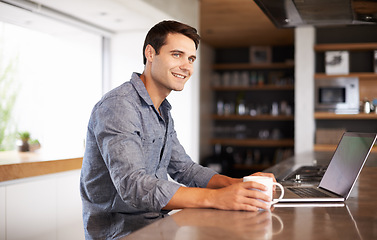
(241, 107)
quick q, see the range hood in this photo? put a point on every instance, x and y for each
(292, 13)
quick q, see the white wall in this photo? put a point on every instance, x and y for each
(126, 48)
(304, 85)
(206, 99)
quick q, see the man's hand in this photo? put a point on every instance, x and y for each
(239, 196)
(264, 174)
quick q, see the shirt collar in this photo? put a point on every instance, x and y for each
(143, 93)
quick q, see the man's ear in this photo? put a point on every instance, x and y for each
(149, 53)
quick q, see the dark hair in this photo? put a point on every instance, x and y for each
(156, 37)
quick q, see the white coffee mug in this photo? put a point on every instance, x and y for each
(269, 183)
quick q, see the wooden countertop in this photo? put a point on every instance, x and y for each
(16, 165)
(356, 219)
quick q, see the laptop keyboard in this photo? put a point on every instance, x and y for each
(308, 192)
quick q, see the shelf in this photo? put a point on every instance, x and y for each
(331, 148)
(253, 118)
(345, 46)
(334, 116)
(254, 142)
(277, 86)
(361, 75)
(249, 66)
(254, 88)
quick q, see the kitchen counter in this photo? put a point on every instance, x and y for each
(354, 219)
(17, 165)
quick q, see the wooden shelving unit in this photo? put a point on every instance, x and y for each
(254, 142)
(254, 88)
(249, 66)
(331, 148)
(333, 116)
(367, 89)
(360, 75)
(268, 85)
(253, 118)
(345, 46)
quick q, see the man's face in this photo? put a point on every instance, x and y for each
(173, 66)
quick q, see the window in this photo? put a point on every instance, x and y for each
(58, 77)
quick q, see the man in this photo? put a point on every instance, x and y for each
(132, 146)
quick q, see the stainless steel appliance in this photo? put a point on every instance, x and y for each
(338, 94)
(293, 13)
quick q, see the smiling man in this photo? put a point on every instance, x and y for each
(132, 147)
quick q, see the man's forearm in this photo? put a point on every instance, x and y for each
(237, 196)
(199, 197)
(220, 181)
(186, 197)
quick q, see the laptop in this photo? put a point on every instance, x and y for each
(341, 174)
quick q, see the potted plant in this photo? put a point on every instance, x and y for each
(24, 136)
(34, 145)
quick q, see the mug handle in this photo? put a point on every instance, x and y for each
(281, 194)
(280, 223)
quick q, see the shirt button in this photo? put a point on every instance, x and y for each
(151, 215)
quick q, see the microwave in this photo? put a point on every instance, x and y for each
(337, 94)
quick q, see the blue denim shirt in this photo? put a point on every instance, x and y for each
(130, 150)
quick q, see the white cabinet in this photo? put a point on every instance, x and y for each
(46, 207)
(2, 213)
(69, 209)
(31, 210)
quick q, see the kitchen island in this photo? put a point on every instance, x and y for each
(353, 219)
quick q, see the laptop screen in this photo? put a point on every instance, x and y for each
(347, 162)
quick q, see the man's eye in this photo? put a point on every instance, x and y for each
(176, 54)
(191, 60)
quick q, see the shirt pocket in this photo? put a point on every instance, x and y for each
(151, 148)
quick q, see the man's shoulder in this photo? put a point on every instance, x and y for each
(121, 97)
(127, 90)
(124, 89)
(124, 92)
